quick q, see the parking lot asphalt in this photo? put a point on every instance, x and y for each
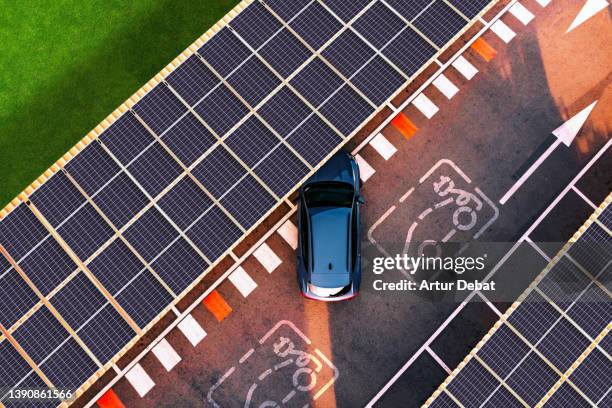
(275, 347)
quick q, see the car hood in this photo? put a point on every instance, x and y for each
(338, 168)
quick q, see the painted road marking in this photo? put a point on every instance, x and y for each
(404, 125)
(216, 305)
(503, 31)
(543, 3)
(289, 233)
(110, 400)
(166, 355)
(267, 257)
(192, 330)
(484, 49)
(445, 86)
(242, 281)
(590, 8)
(140, 380)
(365, 170)
(521, 13)
(383, 146)
(425, 105)
(464, 67)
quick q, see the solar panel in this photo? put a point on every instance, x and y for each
(409, 9)
(155, 169)
(564, 282)
(593, 250)
(150, 234)
(248, 201)
(444, 401)
(317, 16)
(503, 351)
(287, 9)
(379, 25)
(474, 384)
(20, 231)
(85, 232)
(469, 8)
(189, 139)
(57, 199)
(348, 53)
(563, 344)
(126, 138)
(316, 82)
(92, 168)
(284, 111)
(346, 10)
(218, 171)
(32, 381)
(503, 398)
(566, 396)
(16, 298)
(606, 216)
(255, 24)
(116, 266)
(192, 80)
(532, 379)
(47, 266)
(69, 366)
(214, 233)
(281, 170)
(534, 317)
(179, 265)
(592, 311)
(160, 108)
(144, 298)
(221, 110)
(40, 334)
(378, 80)
(78, 301)
(253, 81)
(593, 375)
(252, 141)
(439, 23)
(346, 110)
(313, 140)
(13, 367)
(224, 51)
(285, 53)
(409, 51)
(185, 202)
(120, 200)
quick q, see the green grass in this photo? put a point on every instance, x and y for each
(65, 65)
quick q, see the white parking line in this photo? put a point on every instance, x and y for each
(166, 355)
(242, 281)
(503, 31)
(267, 257)
(365, 170)
(425, 105)
(289, 233)
(464, 67)
(543, 3)
(521, 13)
(383, 146)
(140, 380)
(192, 330)
(445, 86)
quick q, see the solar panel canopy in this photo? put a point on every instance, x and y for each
(131, 221)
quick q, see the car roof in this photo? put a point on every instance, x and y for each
(330, 239)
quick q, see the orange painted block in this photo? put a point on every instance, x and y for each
(484, 49)
(404, 125)
(110, 400)
(215, 303)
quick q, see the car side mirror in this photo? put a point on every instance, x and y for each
(360, 199)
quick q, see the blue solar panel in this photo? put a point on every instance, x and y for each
(439, 23)
(566, 396)
(503, 351)
(115, 266)
(179, 266)
(378, 80)
(192, 80)
(218, 171)
(189, 139)
(16, 298)
(593, 311)
(409, 9)
(255, 24)
(285, 53)
(317, 16)
(252, 141)
(503, 398)
(443, 401)
(144, 298)
(379, 25)
(532, 379)
(69, 366)
(287, 9)
(314, 140)
(214, 233)
(12, 366)
(224, 51)
(593, 251)
(40, 334)
(185, 202)
(563, 344)
(78, 301)
(48, 265)
(92, 168)
(534, 317)
(85, 232)
(121, 200)
(20, 231)
(150, 234)
(253, 81)
(284, 111)
(316, 82)
(57, 198)
(606, 216)
(564, 282)
(348, 53)
(346, 10)
(155, 169)
(248, 201)
(281, 170)
(593, 375)
(409, 51)
(126, 138)
(470, 8)
(160, 108)
(221, 110)
(346, 110)
(473, 384)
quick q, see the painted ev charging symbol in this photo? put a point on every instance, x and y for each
(284, 369)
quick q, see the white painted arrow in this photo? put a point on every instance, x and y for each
(590, 8)
(566, 133)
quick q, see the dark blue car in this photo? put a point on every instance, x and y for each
(329, 258)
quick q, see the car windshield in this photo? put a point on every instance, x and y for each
(329, 195)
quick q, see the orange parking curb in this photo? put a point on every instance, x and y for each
(404, 125)
(110, 400)
(216, 305)
(484, 49)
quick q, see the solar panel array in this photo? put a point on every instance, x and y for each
(554, 348)
(117, 233)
